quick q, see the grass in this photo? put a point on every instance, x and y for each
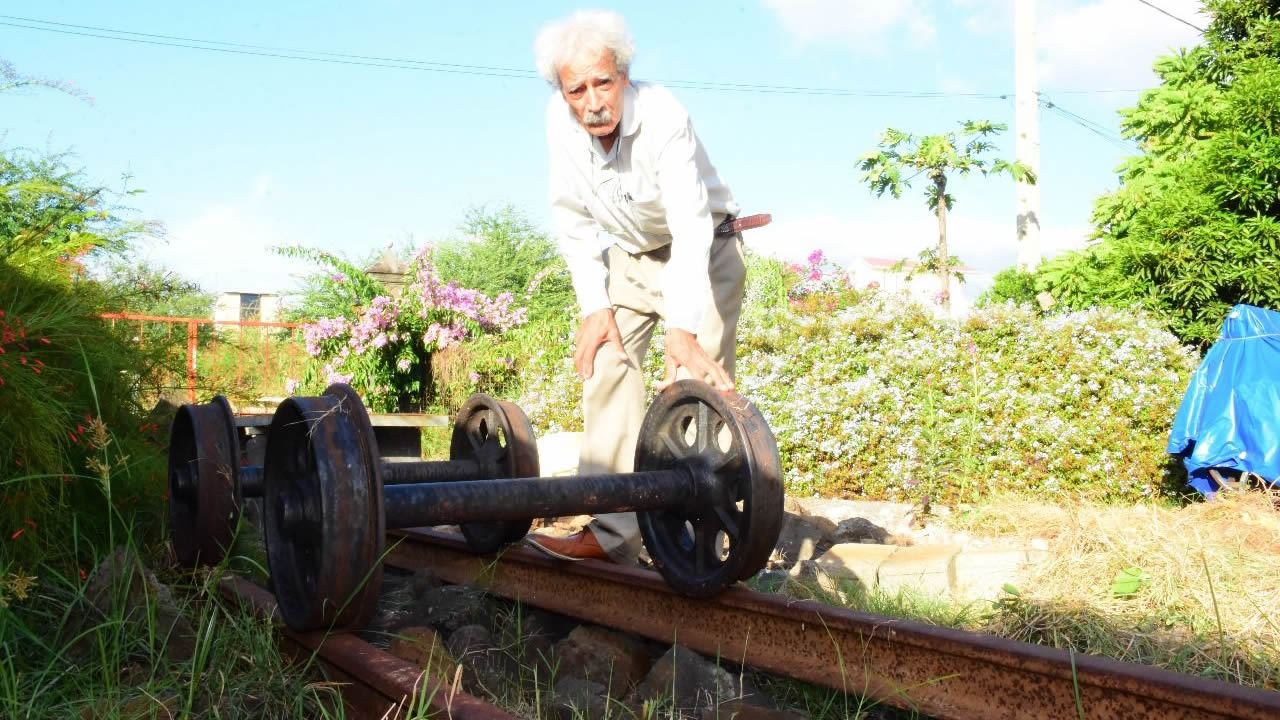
(1207, 602)
(108, 646)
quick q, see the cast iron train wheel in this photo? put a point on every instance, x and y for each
(497, 435)
(323, 509)
(702, 549)
(204, 482)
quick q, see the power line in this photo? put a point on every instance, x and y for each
(1094, 127)
(283, 56)
(293, 51)
(286, 53)
(1166, 12)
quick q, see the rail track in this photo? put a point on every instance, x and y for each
(937, 671)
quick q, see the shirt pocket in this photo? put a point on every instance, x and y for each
(647, 210)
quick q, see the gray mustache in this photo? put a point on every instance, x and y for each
(594, 119)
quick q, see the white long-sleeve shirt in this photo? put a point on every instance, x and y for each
(654, 187)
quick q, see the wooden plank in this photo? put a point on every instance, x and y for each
(377, 419)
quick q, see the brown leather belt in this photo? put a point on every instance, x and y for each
(733, 226)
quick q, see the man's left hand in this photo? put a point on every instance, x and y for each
(682, 350)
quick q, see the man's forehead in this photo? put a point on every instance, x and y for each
(586, 65)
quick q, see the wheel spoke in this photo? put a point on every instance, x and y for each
(728, 522)
(725, 458)
(704, 438)
(673, 446)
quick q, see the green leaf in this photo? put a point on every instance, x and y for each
(1128, 582)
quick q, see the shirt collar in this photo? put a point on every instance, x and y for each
(630, 118)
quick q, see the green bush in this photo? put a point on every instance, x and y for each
(79, 453)
(881, 399)
(1010, 284)
(1194, 227)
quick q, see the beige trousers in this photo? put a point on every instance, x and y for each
(613, 399)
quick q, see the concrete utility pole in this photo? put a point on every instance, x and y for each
(1026, 125)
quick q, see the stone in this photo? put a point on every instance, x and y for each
(928, 569)
(858, 561)
(449, 607)
(808, 574)
(143, 597)
(575, 698)
(398, 602)
(691, 683)
(982, 574)
(558, 454)
(616, 660)
(423, 647)
(798, 540)
(859, 530)
(482, 661)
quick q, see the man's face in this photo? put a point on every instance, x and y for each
(592, 86)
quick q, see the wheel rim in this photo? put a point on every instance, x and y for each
(204, 482)
(705, 547)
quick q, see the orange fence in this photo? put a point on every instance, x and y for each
(244, 358)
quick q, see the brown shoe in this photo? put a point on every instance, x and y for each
(581, 545)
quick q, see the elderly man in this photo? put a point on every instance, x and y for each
(636, 204)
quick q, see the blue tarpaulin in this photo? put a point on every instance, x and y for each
(1229, 419)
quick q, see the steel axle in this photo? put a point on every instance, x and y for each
(208, 486)
(707, 490)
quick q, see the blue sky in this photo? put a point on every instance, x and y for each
(240, 152)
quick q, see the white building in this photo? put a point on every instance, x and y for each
(924, 286)
(241, 306)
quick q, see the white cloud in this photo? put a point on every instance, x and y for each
(865, 25)
(1111, 43)
(227, 248)
(1084, 44)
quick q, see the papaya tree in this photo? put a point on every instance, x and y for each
(902, 157)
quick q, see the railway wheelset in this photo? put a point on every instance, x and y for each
(707, 491)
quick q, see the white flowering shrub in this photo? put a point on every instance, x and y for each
(870, 395)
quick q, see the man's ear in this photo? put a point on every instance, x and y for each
(626, 78)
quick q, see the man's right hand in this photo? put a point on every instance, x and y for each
(598, 328)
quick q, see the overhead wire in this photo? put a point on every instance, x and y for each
(1092, 126)
(288, 53)
(1162, 11)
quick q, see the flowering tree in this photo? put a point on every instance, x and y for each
(383, 346)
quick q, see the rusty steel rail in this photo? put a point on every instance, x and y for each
(375, 684)
(938, 671)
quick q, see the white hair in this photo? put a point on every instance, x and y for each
(584, 31)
